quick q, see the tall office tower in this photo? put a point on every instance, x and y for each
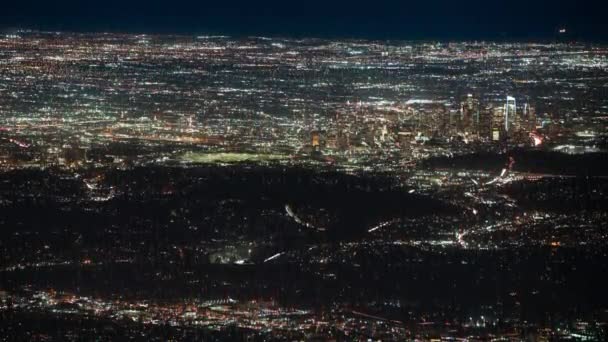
(484, 118)
(498, 119)
(529, 117)
(454, 120)
(461, 120)
(509, 111)
(470, 117)
(470, 102)
(315, 140)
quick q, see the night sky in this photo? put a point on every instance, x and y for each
(430, 19)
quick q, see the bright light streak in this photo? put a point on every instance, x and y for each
(273, 257)
(383, 224)
(20, 143)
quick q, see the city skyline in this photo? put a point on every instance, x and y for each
(278, 182)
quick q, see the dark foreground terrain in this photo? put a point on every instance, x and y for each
(271, 252)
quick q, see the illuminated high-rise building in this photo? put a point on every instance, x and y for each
(484, 117)
(470, 115)
(529, 117)
(315, 140)
(498, 122)
(509, 112)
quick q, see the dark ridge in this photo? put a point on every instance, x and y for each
(549, 162)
